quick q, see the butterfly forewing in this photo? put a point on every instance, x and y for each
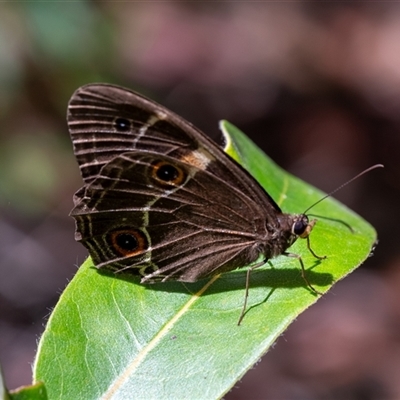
(93, 114)
(105, 121)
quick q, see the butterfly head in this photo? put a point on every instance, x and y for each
(291, 227)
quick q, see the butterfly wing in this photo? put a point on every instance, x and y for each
(194, 229)
(212, 221)
(107, 120)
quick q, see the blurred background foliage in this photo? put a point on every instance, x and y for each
(316, 85)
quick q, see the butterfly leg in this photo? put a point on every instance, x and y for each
(312, 251)
(246, 295)
(303, 271)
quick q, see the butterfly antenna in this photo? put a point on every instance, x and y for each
(344, 184)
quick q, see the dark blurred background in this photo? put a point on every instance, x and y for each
(316, 85)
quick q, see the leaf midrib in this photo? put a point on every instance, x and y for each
(156, 339)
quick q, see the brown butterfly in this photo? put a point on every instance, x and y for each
(162, 200)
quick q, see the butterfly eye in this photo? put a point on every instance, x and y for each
(168, 174)
(122, 124)
(299, 228)
(128, 242)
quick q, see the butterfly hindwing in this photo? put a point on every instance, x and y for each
(201, 222)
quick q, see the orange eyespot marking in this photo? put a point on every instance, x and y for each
(168, 174)
(128, 241)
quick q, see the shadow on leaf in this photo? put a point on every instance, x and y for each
(274, 278)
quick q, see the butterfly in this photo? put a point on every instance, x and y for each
(161, 200)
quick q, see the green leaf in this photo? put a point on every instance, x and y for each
(34, 392)
(112, 337)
